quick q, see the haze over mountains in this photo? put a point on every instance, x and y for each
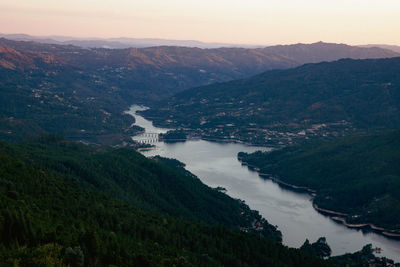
(66, 203)
(126, 42)
(395, 48)
(118, 43)
(81, 93)
(172, 68)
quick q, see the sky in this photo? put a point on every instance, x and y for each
(261, 22)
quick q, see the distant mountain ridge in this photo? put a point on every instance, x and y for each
(395, 48)
(82, 93)
(180, 68)
(157, 72)
(119, 43)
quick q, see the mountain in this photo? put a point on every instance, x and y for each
(161, 71)
(317, 52)
(41, 94)
(68, 204)
(358, 176)
(61, 213)
(328, 100)
(82, 93)
(157, 185)
(395, 48)
(64, 203)
(118, 43)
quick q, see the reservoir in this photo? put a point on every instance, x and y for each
(216, 164)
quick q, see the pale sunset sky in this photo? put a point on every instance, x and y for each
(260, 22)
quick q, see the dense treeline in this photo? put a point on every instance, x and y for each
(54, 212)
(53, 215)
(173, 136)
(364, 257)
(358, 175)
(160, 185)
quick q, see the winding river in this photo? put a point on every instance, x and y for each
(216, 164)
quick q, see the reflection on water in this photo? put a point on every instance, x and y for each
(216, 164)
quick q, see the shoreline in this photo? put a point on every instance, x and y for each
(145, 149)
(334, 215)
(296, 188)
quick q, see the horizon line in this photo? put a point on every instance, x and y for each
(49, 36)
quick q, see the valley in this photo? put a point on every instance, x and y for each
(76, 193)
(216, 164)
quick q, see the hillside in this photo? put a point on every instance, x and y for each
(117, 43)
(327, 100)
(57, 214)
(161, 185)
(68, 204)
(394, 48)
(161, 71)
(58, 99)
(358, 176)
(82, 93)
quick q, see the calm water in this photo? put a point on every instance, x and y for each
(216, 164)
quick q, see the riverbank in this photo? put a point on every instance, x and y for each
(208, 135)
(227, 140)
(215, 162)
(301, 189)
(334, 215)
(141, 149)
(369, 226)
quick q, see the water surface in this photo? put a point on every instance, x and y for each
(216, 164)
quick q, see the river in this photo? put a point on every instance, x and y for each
(216, 164)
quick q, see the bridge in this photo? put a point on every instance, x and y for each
(147, 138)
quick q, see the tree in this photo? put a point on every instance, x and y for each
(320, 248)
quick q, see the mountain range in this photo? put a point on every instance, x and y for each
(395, 48)
(126, 42)
(82, 93)
(118, 43)
(66, 203)
(169, 69)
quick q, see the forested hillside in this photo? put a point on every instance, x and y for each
(58, 100)
(57, 214)
(82, 93)
(161, 185)
(66, 203)
(289, 106)
(358, 176)
(58, 208)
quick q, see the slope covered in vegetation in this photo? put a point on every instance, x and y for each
(327, 99)
(82, 93)
(56, 211)
(161, 185)
(358, 175)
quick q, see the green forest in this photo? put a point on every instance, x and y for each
(68, 204)
(60, 207)
(358, 175)
(74, 192)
